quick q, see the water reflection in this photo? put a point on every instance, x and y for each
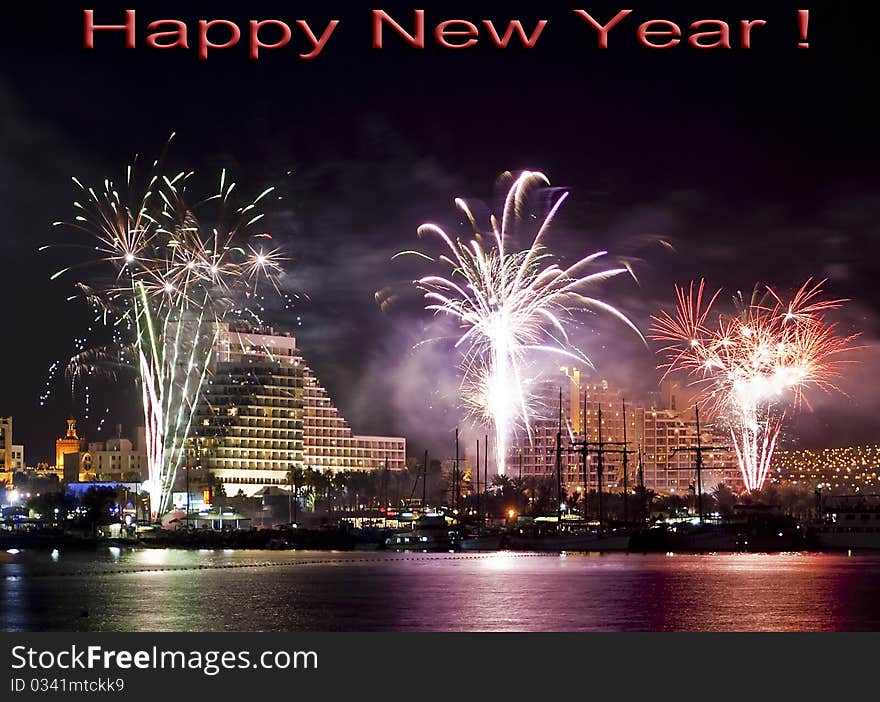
(502, 560)
(215, 590)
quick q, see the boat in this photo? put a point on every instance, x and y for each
(754, 528)
(482, 539)
(544, 539)
(844, 536)
(687, 537)
(369, 539)
(848, 524)
(428, 533)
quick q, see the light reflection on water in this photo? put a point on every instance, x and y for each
(215, 590)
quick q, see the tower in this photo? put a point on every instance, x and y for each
(69, 443)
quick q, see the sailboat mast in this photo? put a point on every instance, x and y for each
(485, 470)
(584, 456)
(455, 477)
(559, 466)
(699, 466)
(478, 481)
(600, 467)
(625, 470)
(642, 492)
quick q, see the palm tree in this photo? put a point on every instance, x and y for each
(725, 499)
(797, 500)
(97, 501)
(573, 499)
(215, 486)
(312, 482)
(295, 479)
(322, 487)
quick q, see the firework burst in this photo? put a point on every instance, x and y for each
(511, 305)
(748, 367)
(166, 276)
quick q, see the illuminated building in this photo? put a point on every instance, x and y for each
(596, 395)
(70, 443)
(666, 434)
(18, 462)
(847, 469)
(581, 400)
(328, 442)
(6, 465)
(116, 459)
(669, 442)
(668, 455)
(536, 457)
(264, 412)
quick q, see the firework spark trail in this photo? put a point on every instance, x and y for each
(511, 306)
(749, 366)
(174, 279)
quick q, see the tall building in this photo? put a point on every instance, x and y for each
(664, 430)
(532, 453)
(603, 406)
(117, 459)
(69, 443)
(669, 457)
(249, 421)
(18, 462)
(328, 441)
(264, 412)
(7, 467)
(582, 402)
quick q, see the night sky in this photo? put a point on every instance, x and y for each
(755, 165)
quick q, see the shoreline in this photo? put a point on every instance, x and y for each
(10, 547)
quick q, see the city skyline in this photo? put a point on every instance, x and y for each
(651, 418)
(670, 175)
(454, 403)
(493, 316)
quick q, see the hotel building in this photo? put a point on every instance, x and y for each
(117, 459)
(669, 455)
(18, 462)
(263, 412)
(69, 444)
(7, 467)
(581, 402)
(665, 431)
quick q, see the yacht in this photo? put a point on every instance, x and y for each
(483, 539)
(548, 538)
(428, 533)
(851, 525)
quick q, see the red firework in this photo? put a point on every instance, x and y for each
(750, 366)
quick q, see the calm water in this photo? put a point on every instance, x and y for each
(175, 590)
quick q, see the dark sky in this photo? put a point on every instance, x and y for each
(758, 165)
